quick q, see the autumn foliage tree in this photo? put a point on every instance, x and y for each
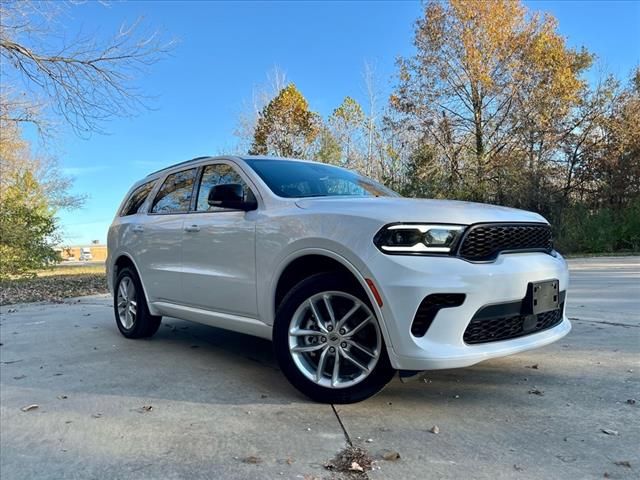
(30, 192)
(485, 74)
(346, 123)
(286, 127)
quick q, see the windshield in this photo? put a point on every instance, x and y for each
(305, 179)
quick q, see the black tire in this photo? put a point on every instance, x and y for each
(145, 324)
(379, 376)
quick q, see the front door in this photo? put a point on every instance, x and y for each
(218, 249)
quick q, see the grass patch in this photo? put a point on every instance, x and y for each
(71, 269)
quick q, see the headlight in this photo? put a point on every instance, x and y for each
(418, 238)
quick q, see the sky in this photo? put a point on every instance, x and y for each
(226, 49)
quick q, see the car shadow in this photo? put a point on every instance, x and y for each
(255, 356)
(190, 362)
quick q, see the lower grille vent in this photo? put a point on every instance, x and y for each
(429, 308)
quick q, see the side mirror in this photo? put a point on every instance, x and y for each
(231, 195)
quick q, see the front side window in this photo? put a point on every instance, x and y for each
(136, 199)
(218, 174)
(306, 179)
(174, 195)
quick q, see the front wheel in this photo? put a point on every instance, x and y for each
(130, 306)
(328, 341)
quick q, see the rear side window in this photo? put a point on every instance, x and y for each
(174, 195)
(136, 199)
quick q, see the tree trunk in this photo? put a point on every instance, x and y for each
(479, 142)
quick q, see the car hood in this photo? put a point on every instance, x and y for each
(392, 209)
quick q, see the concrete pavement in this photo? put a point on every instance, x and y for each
(221, 409)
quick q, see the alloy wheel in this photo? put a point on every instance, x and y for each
(334, 339)
(127, 303)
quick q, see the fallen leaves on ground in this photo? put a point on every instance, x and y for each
(623, 463)
(28, 408)
(252, 459)
(391, 456)
(608, 431)
(54, 288)
(354, 462)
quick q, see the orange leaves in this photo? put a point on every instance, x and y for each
(490, 87)
(489, 33)
(492, 49)
(286, 127)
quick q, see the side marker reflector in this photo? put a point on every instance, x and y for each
(374, 290)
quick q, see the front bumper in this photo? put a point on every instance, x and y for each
(404, 281)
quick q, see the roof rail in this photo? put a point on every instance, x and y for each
(178, 164)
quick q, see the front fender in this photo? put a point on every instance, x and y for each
(357, 269)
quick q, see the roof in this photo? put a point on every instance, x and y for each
(242, 157)
(177, 164)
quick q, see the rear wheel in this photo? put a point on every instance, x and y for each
(130, 306)
(328, 341)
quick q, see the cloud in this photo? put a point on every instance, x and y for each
(79, 171)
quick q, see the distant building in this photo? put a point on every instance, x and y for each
(93, 252)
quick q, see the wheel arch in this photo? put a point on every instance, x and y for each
(301, 264)
(125, 260)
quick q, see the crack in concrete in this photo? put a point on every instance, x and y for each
(344, 430)
(603, 322)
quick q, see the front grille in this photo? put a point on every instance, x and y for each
(429, 308)
(486, 241)
(483, 330)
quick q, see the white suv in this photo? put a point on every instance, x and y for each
(350, 280)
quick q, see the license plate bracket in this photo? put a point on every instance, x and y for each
(545, 296)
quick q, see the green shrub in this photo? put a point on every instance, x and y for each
(581, 230)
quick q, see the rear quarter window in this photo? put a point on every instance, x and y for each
(174, 195)
(136, 200)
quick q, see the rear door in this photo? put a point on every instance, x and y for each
(218, 249)
(160, 255)
(124, 234)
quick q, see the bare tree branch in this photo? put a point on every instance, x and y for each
(82, 81)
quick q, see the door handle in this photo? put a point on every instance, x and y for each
(192, 228)
(138, 228)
